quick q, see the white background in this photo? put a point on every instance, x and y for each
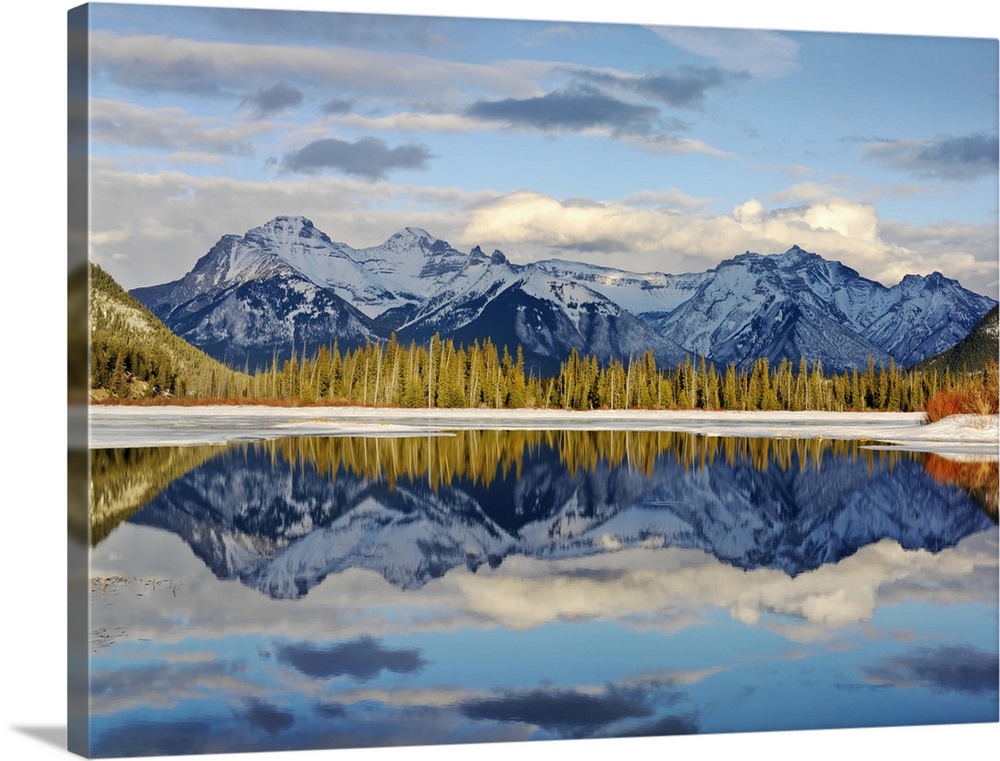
(32, 385)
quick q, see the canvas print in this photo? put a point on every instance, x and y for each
(451, 380)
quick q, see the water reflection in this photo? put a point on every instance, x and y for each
(282, 515)
(485, 586)
(979, 478)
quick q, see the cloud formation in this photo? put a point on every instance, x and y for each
(154, 63)
(116, 690)
(964, 157)
(367, 157)
(168, 128)
(684, 87)
(573, 109)
(336, 106)
(274, 99)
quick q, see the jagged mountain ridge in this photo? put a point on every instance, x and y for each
(547, 315)
(287, 284)
(799, 304)
(252, 298)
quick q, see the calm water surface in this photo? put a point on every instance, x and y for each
(521, 585)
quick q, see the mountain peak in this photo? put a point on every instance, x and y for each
(933, 280)
(285, 229)
(414, 233)
(287, 222)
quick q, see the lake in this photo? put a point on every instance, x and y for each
(503, 585)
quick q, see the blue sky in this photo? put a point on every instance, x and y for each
(646, 147)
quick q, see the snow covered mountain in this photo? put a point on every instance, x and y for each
(798, 304)
(262, 294)
(927, 315)
(547, 315)
(287, 284)
(639, 293)
(413, 263)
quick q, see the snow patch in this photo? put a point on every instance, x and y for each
(123, 426)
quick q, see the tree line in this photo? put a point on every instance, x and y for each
(441, 374)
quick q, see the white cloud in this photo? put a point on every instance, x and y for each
(169, 128)
(751, 212)
(964, 251)
(850, 219)
(153, 62)
(530, 225)
(409, 121)
(806, 191)
(763, 54)
(671, 145)
(672, 200)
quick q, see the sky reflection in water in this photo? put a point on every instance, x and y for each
(527, 585)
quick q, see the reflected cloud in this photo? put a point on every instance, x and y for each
(263, 715)
(362, 659)
(666, 590)
(160, 738)
(668, 725)
(942, 669)
(409, 697)
(569, 712)
(330, 710)
(663, 679)
(164, 685)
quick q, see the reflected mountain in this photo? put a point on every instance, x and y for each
(123, 481)
(281, 516)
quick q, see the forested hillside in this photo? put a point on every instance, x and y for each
(134, 355)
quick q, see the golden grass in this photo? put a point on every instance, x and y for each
(977, 396)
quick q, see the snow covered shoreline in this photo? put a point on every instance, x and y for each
(127, 426)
